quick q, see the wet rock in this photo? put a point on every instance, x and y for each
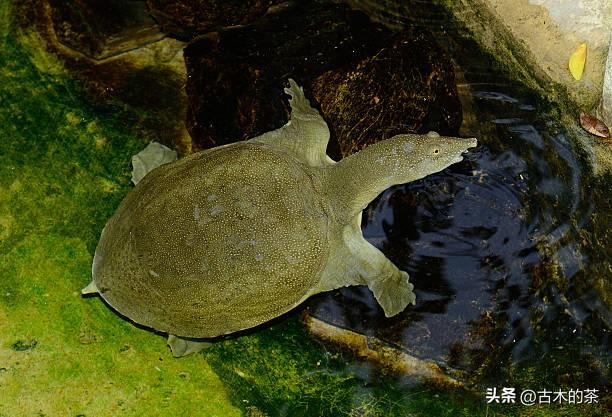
(361, 74)
(103, 28)
(531, 39)
(408, 86)
(236, 76)
(185, 19)
(384, 354)
(146, 81)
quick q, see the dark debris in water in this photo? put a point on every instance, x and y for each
(24, 345)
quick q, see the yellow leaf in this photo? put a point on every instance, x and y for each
(577, 60)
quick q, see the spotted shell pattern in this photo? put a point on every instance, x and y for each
(200, 248)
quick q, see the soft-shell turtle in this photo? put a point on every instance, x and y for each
(234, 236)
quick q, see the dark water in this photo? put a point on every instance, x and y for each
(492, 245)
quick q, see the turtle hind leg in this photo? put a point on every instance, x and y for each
(145, 161)
(182, 347)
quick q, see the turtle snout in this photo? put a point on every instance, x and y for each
(469, 143)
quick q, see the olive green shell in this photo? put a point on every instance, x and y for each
(215, 242)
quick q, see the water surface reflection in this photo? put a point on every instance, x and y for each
(491, 245)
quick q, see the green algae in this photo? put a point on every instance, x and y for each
(63, 170)
(296, 376)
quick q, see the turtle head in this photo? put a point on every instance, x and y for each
(432, 153)
(359, 178)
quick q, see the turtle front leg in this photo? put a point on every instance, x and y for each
(145, 161)
(390, 287)
(389, 284)
(356, 262)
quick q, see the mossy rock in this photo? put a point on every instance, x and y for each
(407, 86)
(346, 59)
(145, 81)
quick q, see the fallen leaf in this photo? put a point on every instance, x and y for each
(577, 60)
(594, 126)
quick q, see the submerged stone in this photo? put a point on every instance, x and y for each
(408, 85)
(385, 354)
(234, 76)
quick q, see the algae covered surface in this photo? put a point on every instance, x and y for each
(64, 168)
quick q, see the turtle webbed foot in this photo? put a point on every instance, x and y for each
(393, 292)
(90, 289)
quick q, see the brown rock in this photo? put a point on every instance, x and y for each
(236, 76)
(408, 86)
(370, 83)
(103, 28)
(186, 19)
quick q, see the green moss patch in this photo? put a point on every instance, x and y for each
(64, 167)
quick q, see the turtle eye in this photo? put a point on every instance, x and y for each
(436, 150)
